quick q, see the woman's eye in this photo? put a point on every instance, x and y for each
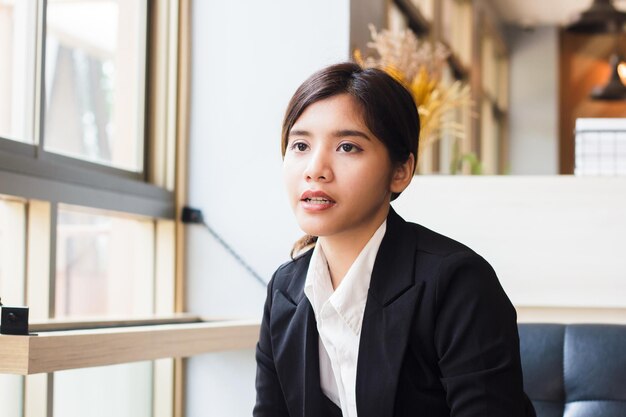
(348, 147)
(299, 146)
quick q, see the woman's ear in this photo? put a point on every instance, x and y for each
(402, 175)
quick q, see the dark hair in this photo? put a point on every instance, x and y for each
(389, 110)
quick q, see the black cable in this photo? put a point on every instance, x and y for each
(194, 216)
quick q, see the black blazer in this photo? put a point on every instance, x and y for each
(439, 336)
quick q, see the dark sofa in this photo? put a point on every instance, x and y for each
(576, 370)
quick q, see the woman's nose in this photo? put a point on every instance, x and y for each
(318, 167)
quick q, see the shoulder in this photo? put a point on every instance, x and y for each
(465, 281)
(292, 270)
(434, 243)
(431, 251)
(433, 247)
(450, 265)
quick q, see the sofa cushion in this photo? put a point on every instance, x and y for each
(595, 409)
(541, 350)
(595, 370)
(575, 370)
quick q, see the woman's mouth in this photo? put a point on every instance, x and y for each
(316, 201)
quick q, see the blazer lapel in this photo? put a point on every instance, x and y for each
(387, 320)
(296, 350)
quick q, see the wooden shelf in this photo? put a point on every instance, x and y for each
(93, 323)
(52, 351)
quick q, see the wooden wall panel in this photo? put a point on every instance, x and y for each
(583, 65)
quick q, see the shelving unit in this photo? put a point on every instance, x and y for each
(415, 18)
(465, 27)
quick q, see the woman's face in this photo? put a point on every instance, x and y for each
(338, 175)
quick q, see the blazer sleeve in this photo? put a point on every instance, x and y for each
(270, 400)
(477, 341)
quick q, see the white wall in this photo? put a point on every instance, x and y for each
(248, 58)
(556, 241)
(533, 116)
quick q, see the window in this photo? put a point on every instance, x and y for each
(89, 133)
(11, 393)
(96, 253)
(130, 385)
(12, 246)
(18, 28)
(95, 79)
(600, 146)
(493, 104)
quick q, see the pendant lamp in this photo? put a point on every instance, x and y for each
(601, 17)
(614, 88)
(621, 70)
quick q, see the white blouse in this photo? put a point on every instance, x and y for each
(339, 316)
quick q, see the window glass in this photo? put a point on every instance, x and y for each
(105, 265)
(95, 80)
(118, 390)
(18, 21)
(11, 394)
(600, 146)
(12, 250)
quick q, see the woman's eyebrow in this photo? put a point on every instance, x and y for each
(348, 132)
(342, 133)
(299, 133)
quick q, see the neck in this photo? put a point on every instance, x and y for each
(342, 250)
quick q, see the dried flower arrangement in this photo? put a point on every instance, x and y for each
(418, 65)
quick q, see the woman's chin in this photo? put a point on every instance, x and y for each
(313, 229)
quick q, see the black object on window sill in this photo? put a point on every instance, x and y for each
(14, 320)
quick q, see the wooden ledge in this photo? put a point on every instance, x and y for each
(554, 314)
(92, 323)
(60, 350)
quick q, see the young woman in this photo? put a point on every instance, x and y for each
(374, 316)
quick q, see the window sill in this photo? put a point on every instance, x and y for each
(51, 351)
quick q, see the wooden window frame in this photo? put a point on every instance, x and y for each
(45, 180)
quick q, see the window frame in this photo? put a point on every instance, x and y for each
(29, 171)
(44, 180)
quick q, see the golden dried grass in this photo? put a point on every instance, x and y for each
(418, 65)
